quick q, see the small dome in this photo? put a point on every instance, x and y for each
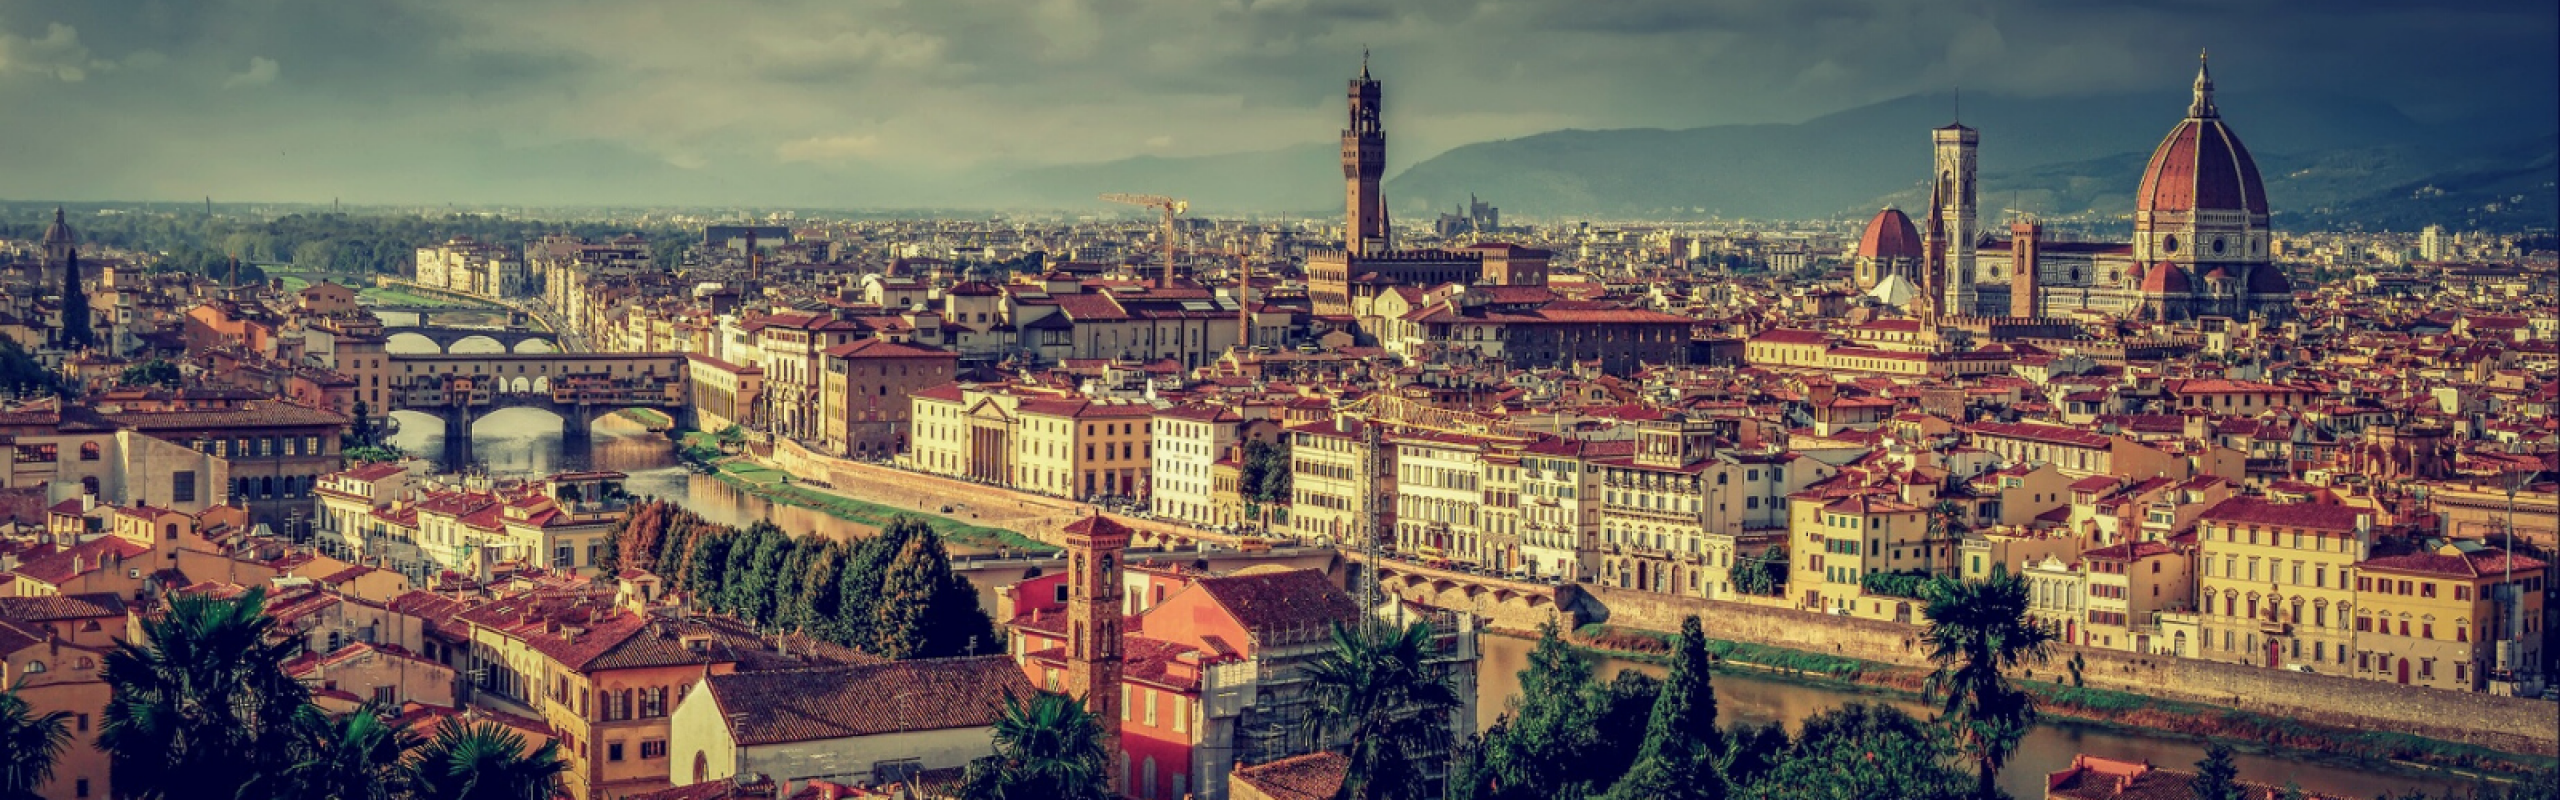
(2166, 278)
(2269, 279)
(1890, 236)
(2218, 274)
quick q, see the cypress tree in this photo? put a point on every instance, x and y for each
(1677, 761)
(75, 307)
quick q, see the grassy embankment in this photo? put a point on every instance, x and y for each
(2244, 730)
(774, 485)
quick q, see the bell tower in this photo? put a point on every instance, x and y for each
(1093, 620)
(1955, 146)
(1364, 161)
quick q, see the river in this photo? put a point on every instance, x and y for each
(525, 443)
(1742, 696)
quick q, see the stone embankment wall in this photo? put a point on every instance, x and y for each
(1036, 516)
(2505, 723)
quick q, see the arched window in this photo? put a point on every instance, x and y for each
(701, 767)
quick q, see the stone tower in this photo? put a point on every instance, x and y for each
(1093, 620)
(1955, 194)
(2025, 297)
(1364, 162)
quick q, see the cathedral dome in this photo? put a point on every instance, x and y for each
(60, 232)
(2269, 279)
(1890, 236)
(2165, 278)
(2201, 165)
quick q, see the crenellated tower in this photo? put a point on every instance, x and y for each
(1364, 162)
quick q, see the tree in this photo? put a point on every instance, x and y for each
(1377, 692)
(205, 706)
(76, 333)
(358, 756)
(21, 374)
(485, 761)
(1681, 742)
(925, 609)
(370, 455)
(1764, 575)
(1543, 746)
(2217, 776)
(1977, 632)
(1863, 750)
(1047, 747)
(360, 429)
(34, 742)
(155, 372)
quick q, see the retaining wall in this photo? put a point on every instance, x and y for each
(2505, 723)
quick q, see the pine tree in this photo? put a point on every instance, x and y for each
(1678, 758)
(2217, 776)
(1545, 746)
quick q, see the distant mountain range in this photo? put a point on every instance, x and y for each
(2328, 162)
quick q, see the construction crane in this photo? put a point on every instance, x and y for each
(1171, 208)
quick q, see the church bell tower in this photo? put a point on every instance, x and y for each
(1094, 545)
(1955, 146)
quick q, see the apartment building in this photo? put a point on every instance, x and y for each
(862, 399)
(2275, 584)
(2449, 614)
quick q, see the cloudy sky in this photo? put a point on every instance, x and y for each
(894, 102)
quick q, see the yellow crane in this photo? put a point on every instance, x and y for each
(1171, 208)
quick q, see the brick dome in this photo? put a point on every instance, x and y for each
(2201, 165)
(1890, 236)
(2165, 278)
(2269, 279)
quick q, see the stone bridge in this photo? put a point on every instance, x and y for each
(1505, 603)
(510, 340)
(577, 387)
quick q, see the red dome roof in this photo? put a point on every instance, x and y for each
(2165, 278)
(1889, 236)
(2269, 279)
(2201, 165)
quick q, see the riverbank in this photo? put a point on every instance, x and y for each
(776, 487)
(2065, 704)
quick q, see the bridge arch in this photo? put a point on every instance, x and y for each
(535, 346)
(408, 342)
(477, 343)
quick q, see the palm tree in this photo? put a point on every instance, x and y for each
(34, 741)
(1376, 692)
(1047, 747)
(205, 707)
(359, 756)
(484, 761)
(1978, 631)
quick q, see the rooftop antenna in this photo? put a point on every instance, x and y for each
(1959, 105)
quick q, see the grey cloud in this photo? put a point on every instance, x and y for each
(880, 101)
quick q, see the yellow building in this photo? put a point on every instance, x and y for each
(2431, 616)
(1060, 446)
(2275, 584)
(1837, 539)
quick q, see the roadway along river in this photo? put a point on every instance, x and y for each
(1741, 696)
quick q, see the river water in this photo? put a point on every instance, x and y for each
(1743, 696)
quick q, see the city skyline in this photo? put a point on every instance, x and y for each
(912, 107)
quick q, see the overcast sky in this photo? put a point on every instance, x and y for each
(877, 102)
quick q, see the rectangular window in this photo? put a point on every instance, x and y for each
(1151, 705)
(653, 749)
(182, 486)
(613, 751)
